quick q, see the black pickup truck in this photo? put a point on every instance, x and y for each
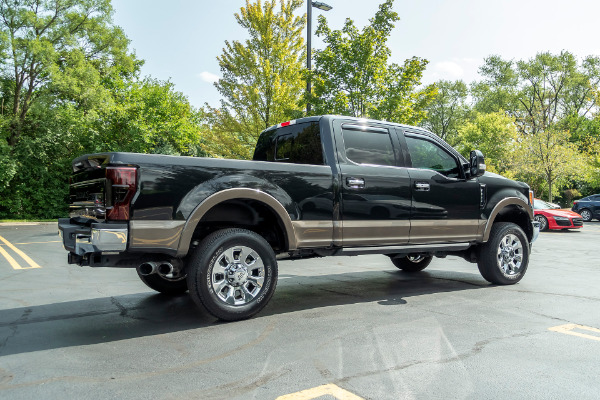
(317, 186)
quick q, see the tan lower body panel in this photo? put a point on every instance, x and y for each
(155, 234)
(443, 231)
(313, 233)
(375, 233)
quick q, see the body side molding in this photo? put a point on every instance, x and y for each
(231, 194)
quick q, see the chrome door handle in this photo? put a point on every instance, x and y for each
(355, 182)
(422, 186)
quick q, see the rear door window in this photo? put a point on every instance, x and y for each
(368, 145)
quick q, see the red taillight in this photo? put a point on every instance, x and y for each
(575, 202)
(288, 123)
(123, 183)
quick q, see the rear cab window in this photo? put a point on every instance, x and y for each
(295, 143)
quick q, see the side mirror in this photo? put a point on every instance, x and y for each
(476, 164)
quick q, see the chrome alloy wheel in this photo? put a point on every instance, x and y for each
(586, 215)
(237, 275)
(415, 259)
(510, 254)
(543, 222)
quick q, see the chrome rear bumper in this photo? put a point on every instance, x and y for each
(95, 237)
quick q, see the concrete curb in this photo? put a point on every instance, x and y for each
(26, 223)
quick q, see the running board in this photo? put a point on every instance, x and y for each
(390, 250)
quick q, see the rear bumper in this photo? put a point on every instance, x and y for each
(93, 237)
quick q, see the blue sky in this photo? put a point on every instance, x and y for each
(180, 39)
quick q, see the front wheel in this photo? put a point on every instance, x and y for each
(232, 273)
(412, 263)
(504, 258)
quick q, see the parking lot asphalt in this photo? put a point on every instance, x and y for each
(337, 327)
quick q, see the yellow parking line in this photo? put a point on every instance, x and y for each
(24, 256)
(51, 241)
(320, 391)
(567, 329)
(9, 258)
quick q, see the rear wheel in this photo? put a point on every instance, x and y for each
(232, 273)
(586, 215)
(412, 263)
(504, 258)
(543, 222)
(170, 287)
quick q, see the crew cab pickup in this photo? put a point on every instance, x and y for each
(317, 186)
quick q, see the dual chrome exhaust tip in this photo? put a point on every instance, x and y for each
(164, 269)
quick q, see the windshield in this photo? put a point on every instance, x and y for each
(541, 205)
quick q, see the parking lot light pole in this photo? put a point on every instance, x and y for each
(309, 5)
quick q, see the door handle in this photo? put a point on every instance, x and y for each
(355, 183)
(422, 186)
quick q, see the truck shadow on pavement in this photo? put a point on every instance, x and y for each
(109, 319)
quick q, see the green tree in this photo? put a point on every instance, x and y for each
(352, 75)
(149, 117)
(550, 157)
(262, 78)
(68, 43)
(495, 135)
(540, 92)
(550, 96)
(498, 88)
(448, 110)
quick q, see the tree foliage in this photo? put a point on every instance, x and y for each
(352, 75)
(448, 110)
(495, 135)
(552, 101)
(58, 47)
(549, 157)
(262, 78)
(70, 86)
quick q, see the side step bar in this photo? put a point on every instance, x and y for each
(407, 249)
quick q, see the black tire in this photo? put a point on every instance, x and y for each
(412, 264)
(164, 286)
(496, 262)
(219, 275)
(586, 214)
(543, 222)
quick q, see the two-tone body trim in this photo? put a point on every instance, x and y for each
(508, 201)
(310, 234)
(155, 236)
(444, 231)
(231, 194)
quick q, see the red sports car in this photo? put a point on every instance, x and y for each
(552, 218)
